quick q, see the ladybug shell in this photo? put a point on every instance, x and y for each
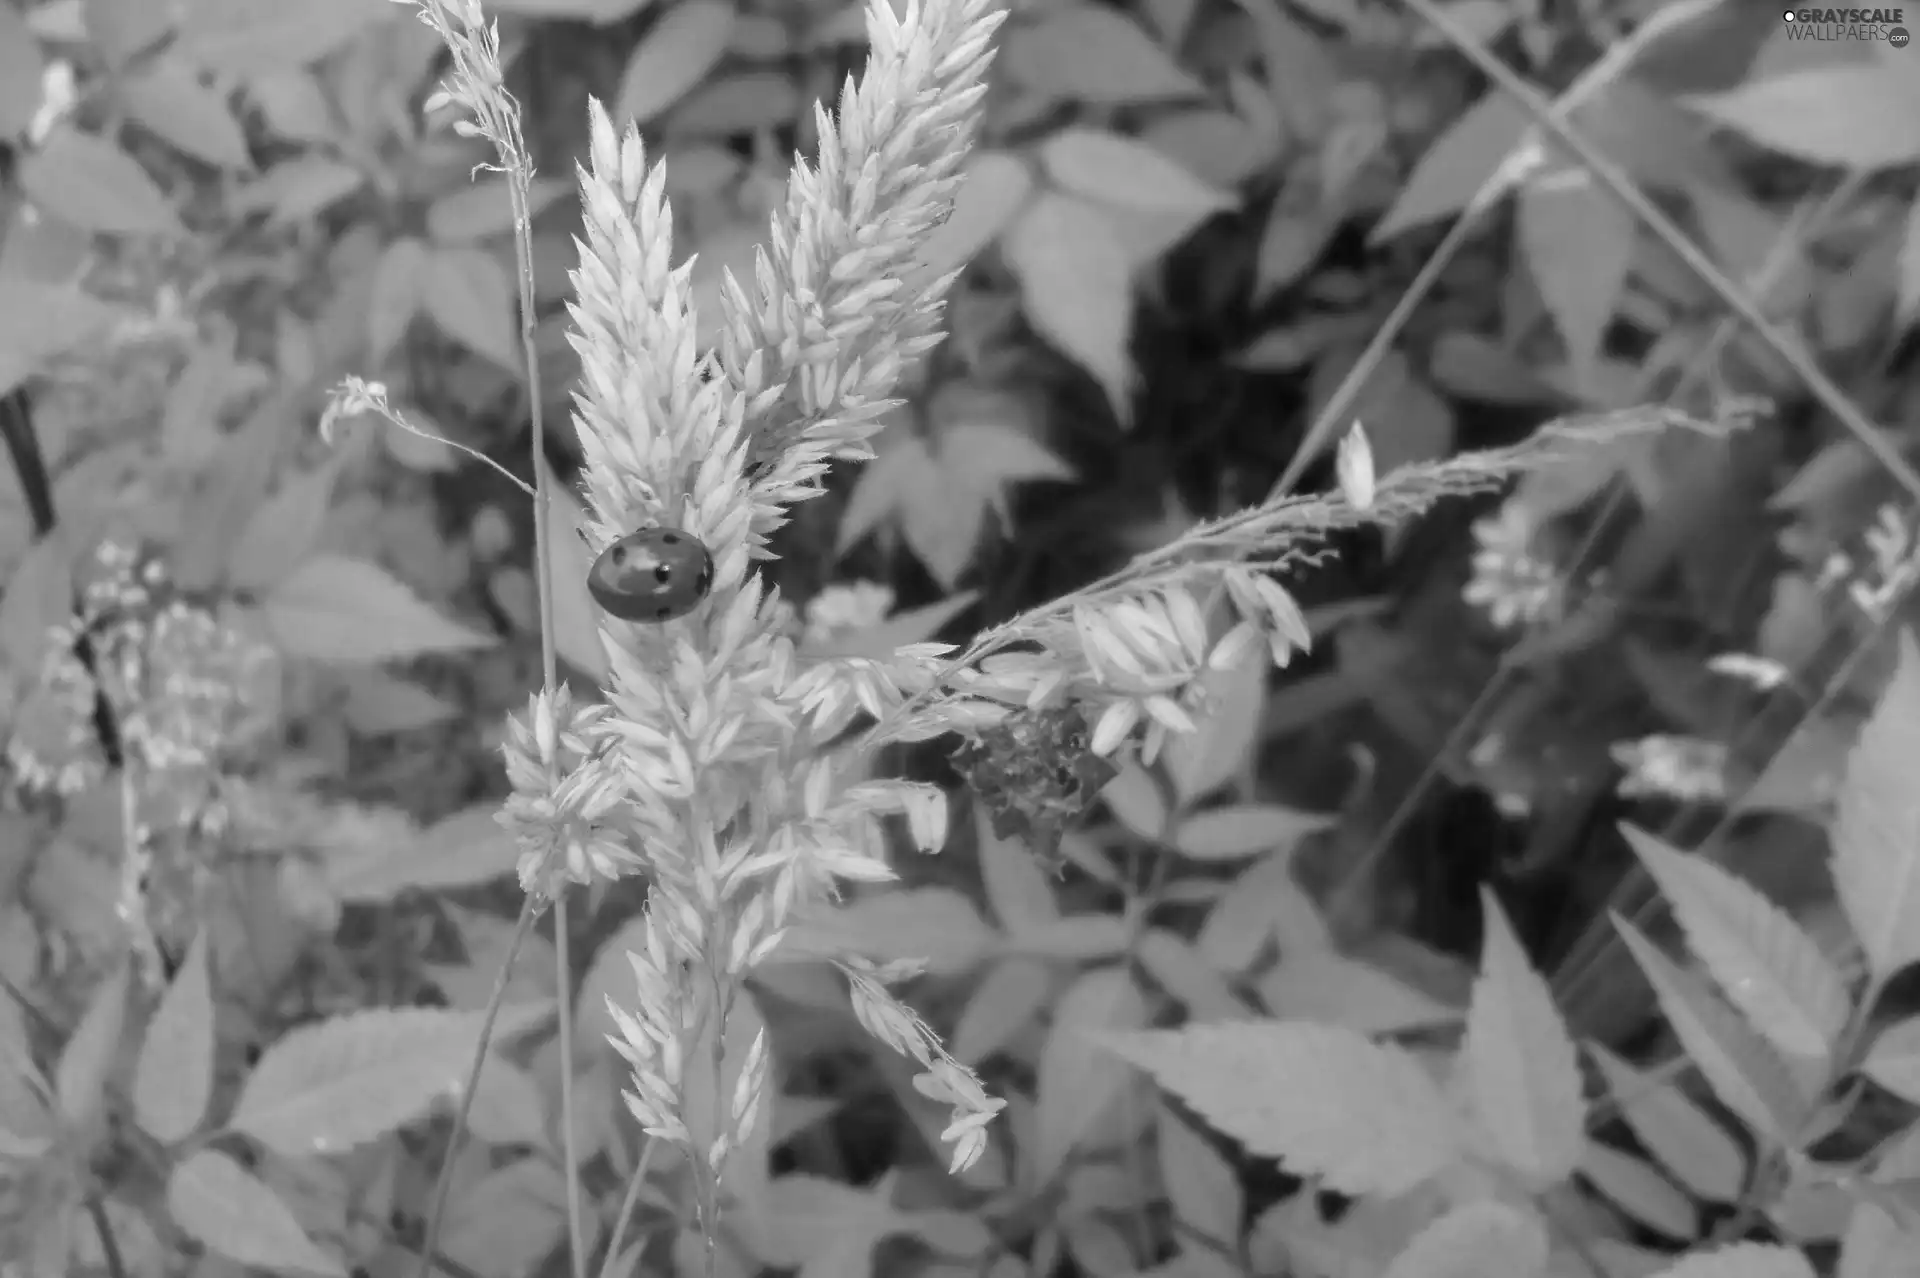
(655, 574)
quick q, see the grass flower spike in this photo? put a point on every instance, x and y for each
(715, 728)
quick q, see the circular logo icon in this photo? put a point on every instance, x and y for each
(1789, 15)
(1898, 37)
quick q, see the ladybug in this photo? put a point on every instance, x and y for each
(653, 574)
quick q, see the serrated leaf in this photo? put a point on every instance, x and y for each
(462, 850)
(1522, 1069)
(284, 528)
(21, 66)
(231, 1212)
(1578, 240)
(169, 101)
(676, 54)
(468, 294)
(87, 1060)
(1103, 166)
(1894, 1059)
(504, 1222)
(1365, 1117)
(39, 322)
(93, 184)
(1247, 829)
(1876, 832)
(1078, 1077)
(1094, 54)
(1768, 967)
(336, 609)
(1698, 1152)
(1863, 114)
(1076, 283)
(174, 1079)
(1737, 1063)
(1742, 1260)
(1475, 1240)
(249, 36)
(329, 1087)
(993, 190)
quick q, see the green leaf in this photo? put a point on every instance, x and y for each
(1202, 761)
(1876, 833)
(93, 184)
(1698, 1152)
(1455, 167)
(935, 925)
(1863, 114)
(1365, 1117)
(39, 322)
(1472, 1240)
(1737, 1063)
(1768, 967)
(1321, 985)
(174, 1079)
(169, 101)
(120, 29)
(1078, 1076)
(1107, 168)
(299, 189)
(678, 51)
(347, 610)
(469, 295)
(484, 208)
(1094, 54)
(20, 70)
(283, 530)
(1076, 283)
(992, 192)
(1578, 242)
(231, 1212)
(329, 1087)
(1522, 1070)
(1406, 421)
(250, 36)
(87, 1060)
(399, 287)
(1243, 830)
(462, 850)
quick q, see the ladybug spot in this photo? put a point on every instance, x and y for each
(619, 556)
(669, 539)
(663, 612)
(662, 573)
